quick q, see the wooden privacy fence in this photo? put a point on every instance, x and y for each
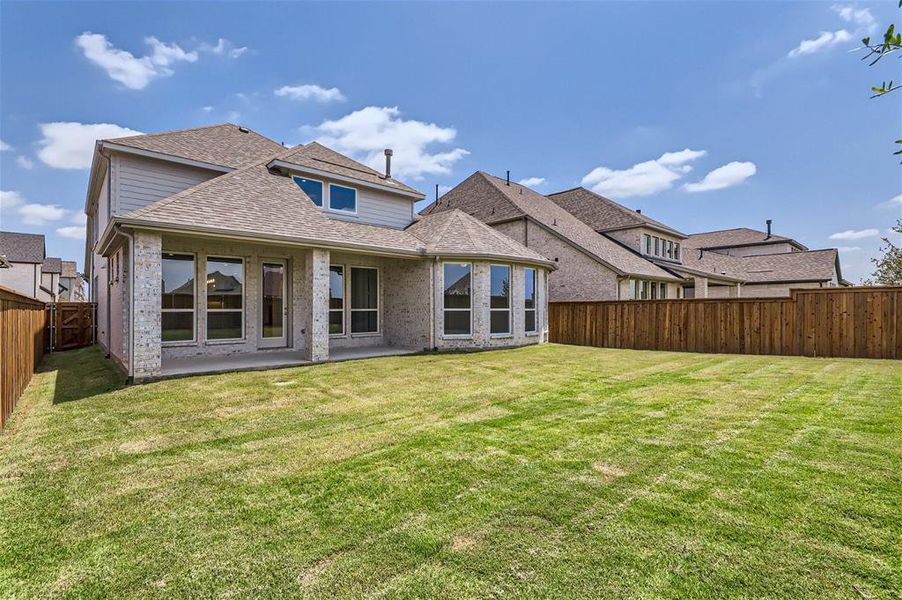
(847, 322)
(22, 323)
(70, 325)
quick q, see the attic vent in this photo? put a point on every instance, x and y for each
(243, 129)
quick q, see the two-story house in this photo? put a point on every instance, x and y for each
(217, 249)
(30, 271)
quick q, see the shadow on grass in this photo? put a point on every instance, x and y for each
(81, 374)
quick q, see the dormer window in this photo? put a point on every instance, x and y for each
(311, 187)
(343, 199)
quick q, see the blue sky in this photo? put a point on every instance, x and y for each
(705, 115)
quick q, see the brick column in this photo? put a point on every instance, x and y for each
(148, 281)
(701, 287)
(316, 279)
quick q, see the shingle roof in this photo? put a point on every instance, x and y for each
(69, 269)
(22, 247)
(226, 145)
(810, 265)
(740, 236)
(255, 202)
(316, 156)
(490, 200)
(603, 214)
(52, 265)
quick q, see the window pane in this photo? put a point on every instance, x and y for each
(342, 198)
(647, 243)
(676, 251)
(336, 322)
(225, 277)
(657, 242)
(364, 288)
(501, 322)
(273, 278)
(501, 286)
(654, 290)
(663, 290)
(669, 249)
(224, 325)
(364, 321)
(314, 189)
(457, 286)
(336, 287)
(530, 320)
(177, 326)
(178, 281)
(530, 296)
(457, 322)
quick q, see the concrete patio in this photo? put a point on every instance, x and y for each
(259, 361)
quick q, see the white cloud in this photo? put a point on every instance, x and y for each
(827, 39)
(79, 218)
(852, 234)
(123, 66)
(10, 199)
(848, 248)
(532, 181)
(25, 162)
(224, 47)
(730, 174)
(894, 202)
(40, 214)
(310, 91)
(859, 16)
(71, 145)
(4, 146)
(365, 133)
(76, 232)
(207, 109)
(644, 178)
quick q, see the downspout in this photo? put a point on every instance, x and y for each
(131, 302)
(109, 336)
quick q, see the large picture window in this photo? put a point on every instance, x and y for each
(177, 303)
(225, 298)
(457, 304)
(364, 300)
(342, 198)
(336, 300)
(311, 187)
(529, 299)
(500, 300)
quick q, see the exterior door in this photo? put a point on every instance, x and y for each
(273, 305)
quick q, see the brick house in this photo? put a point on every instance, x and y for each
(217, 249)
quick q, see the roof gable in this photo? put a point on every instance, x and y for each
(739, 236)
(603, 214)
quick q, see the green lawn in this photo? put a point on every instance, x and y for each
(543, 471)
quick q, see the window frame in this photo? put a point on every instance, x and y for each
(457, 336)
(242, 310)
(319, 181)
(662, 291)
(510, 302)
(193, 310)
(646, 244)
(535, 308)
(345, 288)
(676, 251)
(343, 211)
(670, 249)
(657, 245)
(350, 304)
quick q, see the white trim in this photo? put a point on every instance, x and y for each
(342, 211)
(166, 157)
(242, 310)
(194, 267)
(350, 304)
(322, 191)
(535, 307)
(345, 286)
(282, 340)
(457, 336)
(510, 302)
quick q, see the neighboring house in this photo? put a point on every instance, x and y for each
(71, 284)
(30, 271)
(590, 266)
(217, 243)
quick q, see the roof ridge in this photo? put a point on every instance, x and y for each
(171, 131)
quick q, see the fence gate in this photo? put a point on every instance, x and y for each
(71, 324)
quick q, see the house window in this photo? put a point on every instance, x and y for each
(634, 289)
(336, 300)
(457, 298)
(177, 299)
(225, 298)
(676, 251)
(669, 249)
(311, 187)
(654, 290)
(342, 198)
(657, 246)
(364, 300)
(663, 290)
(643, 290)
(529, 300)
(500, 318)
(646, 241)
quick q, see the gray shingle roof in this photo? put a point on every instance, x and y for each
(255, 202)
(226, 145)
(810, 265)
(69, 269)
(740, 236)
(22, 247)
(52, 265)
(490, 200)
(603, 214)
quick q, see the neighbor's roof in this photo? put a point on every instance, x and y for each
(227, 145)
(740, 236)
(52, 265)
(69, 269)
(810, 265)
(255, 202)
(22, 247)
(316, 156)
(603, 214)
(491, 200)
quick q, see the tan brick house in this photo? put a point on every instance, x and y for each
(217, 249)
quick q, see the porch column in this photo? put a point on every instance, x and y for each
(735, 291)
(701, 287)
(148, 277)
(316, 277)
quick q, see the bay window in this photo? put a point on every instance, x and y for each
(500, 301)
(529, 300)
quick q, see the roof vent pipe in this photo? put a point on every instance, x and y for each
(639, 211)
(768, 229)
(508, 178)
(436, 193)
(388, 155)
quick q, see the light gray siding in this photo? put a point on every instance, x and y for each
(139, 181)
(377, 208)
